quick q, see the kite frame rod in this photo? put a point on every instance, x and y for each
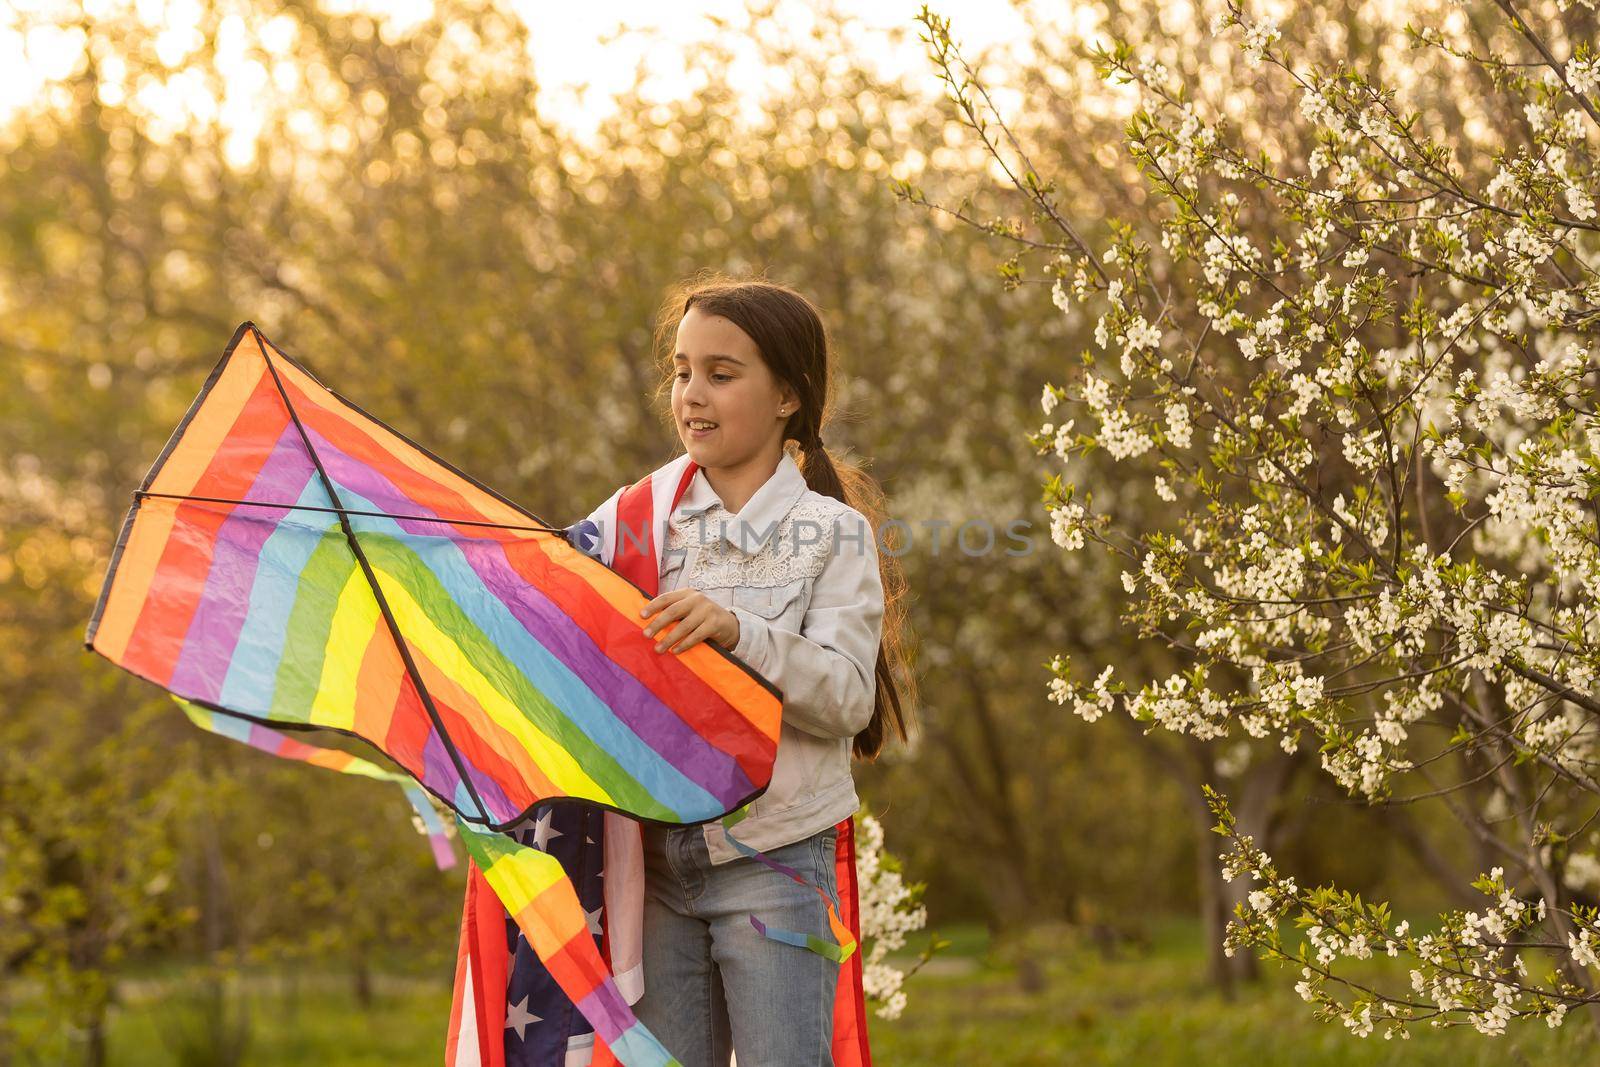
(377, 592)
(141, 493)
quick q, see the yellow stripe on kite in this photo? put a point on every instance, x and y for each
(355, 619)
(520, 879)
(553, 759)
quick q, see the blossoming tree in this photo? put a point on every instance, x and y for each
(890, 909)
(1352, 346)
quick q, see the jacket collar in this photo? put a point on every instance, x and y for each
(751, 529)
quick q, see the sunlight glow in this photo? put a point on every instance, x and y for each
(583, 54)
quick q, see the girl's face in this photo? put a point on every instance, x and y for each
(721, 379)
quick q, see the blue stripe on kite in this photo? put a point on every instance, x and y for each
(419, 801)
(463, 799)
(253, 671)
(229, 726)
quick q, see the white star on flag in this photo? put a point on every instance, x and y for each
(518, 1017)
(543, 831)
(593, 919)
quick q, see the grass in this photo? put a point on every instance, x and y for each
(1149, 1007)
(1154, 1008)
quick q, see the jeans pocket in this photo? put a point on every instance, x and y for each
(828, 863)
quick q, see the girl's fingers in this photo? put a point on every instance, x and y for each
(675, 610)
(672, 628)
(685, 628)
(655, 604)
(694, 637)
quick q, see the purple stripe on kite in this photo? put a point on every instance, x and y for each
(440, 775)
(263, 738)
(235, 553)
(494, 798)
(696, 757)
(606, 1011)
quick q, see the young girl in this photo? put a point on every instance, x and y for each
(761, 551)
(765, 555)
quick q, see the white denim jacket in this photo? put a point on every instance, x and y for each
(800, 572)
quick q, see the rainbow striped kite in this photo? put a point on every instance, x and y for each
(290, 561)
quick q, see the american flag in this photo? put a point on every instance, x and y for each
(531, 1023)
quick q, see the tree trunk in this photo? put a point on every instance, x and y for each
(291, 993)
(363, 981)
(1217, 898)
(214, 917)
(94, 1051)
(5, 1026)
(1030, 974)
(1255, 806)
(1010, 887)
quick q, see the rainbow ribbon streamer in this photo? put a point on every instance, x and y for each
(278, 744)
(838, 950)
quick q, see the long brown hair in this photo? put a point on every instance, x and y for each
(788, 331)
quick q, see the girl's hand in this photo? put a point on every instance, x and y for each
(701, 618)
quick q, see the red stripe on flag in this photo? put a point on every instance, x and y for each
(486, 955)
(634, 555)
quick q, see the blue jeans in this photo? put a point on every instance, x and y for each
(712, 982)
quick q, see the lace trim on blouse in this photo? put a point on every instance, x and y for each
(798, 549)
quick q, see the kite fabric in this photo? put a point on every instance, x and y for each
(292, 562)
(506, 1011)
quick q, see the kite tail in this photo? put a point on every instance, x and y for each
(536, 892)
(844, 943)
(279, 744)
